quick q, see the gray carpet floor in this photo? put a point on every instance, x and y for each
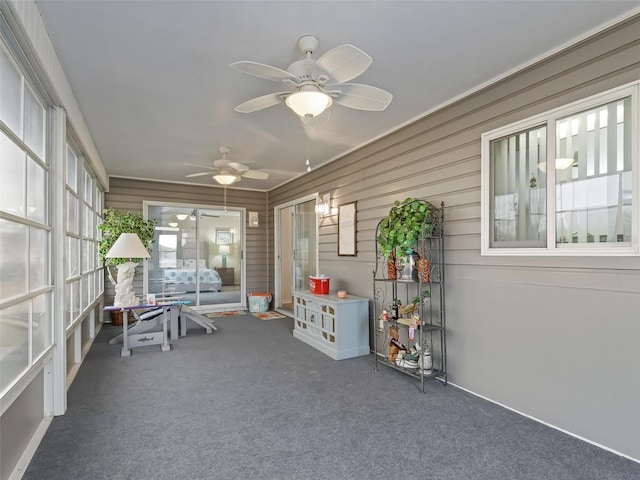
(251, 402)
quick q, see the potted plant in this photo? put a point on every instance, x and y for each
(114, 223)
(399, 231)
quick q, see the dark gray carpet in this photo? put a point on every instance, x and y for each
(252, 402)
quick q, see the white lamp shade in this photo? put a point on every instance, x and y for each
(224, 249)
(308, 101)
(226, 178)
(128, 245)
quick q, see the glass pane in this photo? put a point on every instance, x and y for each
(73, 221)
(88, 221)
(593, 175)
(100, 280)
(12, 177)
(73, 257)
(10, 93)
(72, 166)
(305, 243)
(197, 254)
(14, 342)
(67, 305)
(518, 203)
(75, 300)
(87, 256)
(39, 258)
(88, 188)
(33, 124)
(14, 260)
(85, 293)
(42, 324)
(37, 192)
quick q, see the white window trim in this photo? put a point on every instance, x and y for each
(548, 118)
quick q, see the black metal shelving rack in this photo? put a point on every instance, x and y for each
(431, 333)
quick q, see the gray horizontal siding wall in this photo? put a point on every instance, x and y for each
(556, 338)
(129, 195)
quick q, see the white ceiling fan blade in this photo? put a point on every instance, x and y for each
(362, 97)
(224, 163)
(198, 166)
(198, 174)
(264, 71)
(343, 63)
(260, 103)
(240, 167)
(255, 174)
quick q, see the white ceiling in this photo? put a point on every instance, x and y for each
(153, 81)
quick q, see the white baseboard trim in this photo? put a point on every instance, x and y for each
(30, 451)
(604, 447)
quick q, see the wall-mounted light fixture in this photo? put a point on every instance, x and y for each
(182, 216)
(323, 206)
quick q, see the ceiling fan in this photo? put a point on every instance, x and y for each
(315, 84)
(226, 172)
(194, 213)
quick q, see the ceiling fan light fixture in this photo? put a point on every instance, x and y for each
(308, 102)
(561, 164)
(226, 178)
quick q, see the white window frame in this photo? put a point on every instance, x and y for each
(548, 119)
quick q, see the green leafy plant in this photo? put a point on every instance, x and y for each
(116, 222)
(401, 228)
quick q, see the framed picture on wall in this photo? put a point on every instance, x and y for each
(347, 230)
(224, 236)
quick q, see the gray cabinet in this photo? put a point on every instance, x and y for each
(421, 332)
(338, 327)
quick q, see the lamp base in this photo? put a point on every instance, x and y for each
(125, 296)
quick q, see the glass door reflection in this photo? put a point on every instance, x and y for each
(197, 255)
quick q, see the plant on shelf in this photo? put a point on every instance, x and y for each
(401, 228)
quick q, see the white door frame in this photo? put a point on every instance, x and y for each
(277, 242)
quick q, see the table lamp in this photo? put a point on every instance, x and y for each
(128, 246)
(224, 249)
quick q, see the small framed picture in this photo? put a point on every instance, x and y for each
(224, 237)
(151, 298)
(347, 230)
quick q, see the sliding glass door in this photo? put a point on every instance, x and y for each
(197, 255)
(296, 249)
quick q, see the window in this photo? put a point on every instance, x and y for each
(83, 273)
(578, 162)
(26, 325)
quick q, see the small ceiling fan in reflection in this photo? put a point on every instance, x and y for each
(194, 213)
(226, 172)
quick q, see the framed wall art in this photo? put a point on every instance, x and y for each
(224, 236)
(347, 230)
